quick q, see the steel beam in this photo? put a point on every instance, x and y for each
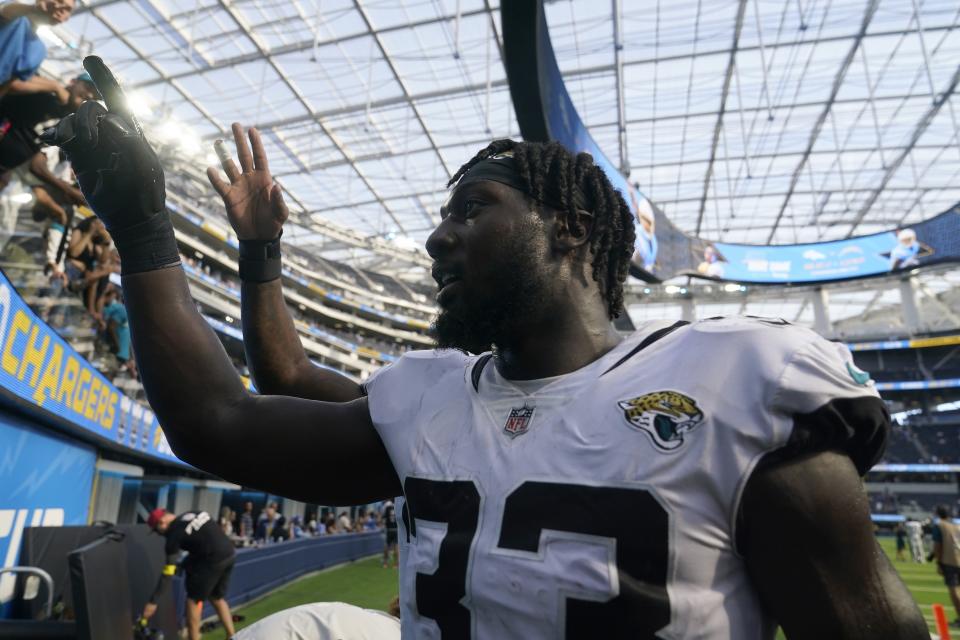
(227, 6)
(728, 76)
(918, 131)
(618, 74)
(403, 87)
(827, 106)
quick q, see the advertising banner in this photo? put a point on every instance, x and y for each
(41, 370)
(44, 481)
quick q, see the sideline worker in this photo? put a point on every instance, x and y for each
(208, 566)
(946, 550)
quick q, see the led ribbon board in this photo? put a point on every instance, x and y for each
(43, 375)
(662, 251)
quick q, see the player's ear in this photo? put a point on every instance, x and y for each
(572, 234)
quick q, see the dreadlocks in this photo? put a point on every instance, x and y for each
(554, 175)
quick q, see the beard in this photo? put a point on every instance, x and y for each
(475, 323)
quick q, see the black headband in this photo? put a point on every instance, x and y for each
(502, 169)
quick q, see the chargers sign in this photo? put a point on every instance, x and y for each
(44, 481)
(39, 368)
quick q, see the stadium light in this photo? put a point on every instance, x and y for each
(48, 35)
(140, 104)
(188, 142)
(170, 130)
(405, 242)
(671, 289)
(730, 288)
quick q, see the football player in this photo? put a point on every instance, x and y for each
(557, 480)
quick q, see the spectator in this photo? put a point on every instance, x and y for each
(20, 116)
(88, 248)
(226, 521)
(114, 315)
(296, 528)
(272, 525)
(21, 50)
(246, 521)
(331, 524)
(344, 523)
(97, 280)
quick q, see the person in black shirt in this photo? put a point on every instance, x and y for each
(19, 140)
(208, 566)
(390, 525)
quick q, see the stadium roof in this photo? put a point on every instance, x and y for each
(745, 120)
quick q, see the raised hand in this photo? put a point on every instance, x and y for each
(254, 202)
(118, 171)
(119, 174)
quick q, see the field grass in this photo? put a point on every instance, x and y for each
(924, 583)
(363, 583)
(366, 584)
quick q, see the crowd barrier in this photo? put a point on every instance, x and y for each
(139, 557)
(260, 570)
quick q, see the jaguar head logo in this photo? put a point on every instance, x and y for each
(666, 416)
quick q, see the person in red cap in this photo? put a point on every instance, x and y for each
(208, 567)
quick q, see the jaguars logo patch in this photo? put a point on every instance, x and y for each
(666, 416)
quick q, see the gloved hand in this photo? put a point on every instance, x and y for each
(118, 171)
(119, 174)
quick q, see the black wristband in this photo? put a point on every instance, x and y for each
(260, 260)
(147, 246)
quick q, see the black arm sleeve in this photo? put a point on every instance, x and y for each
(162, 585)
(857, 427)
(169, 569)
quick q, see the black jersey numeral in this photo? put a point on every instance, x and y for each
(638, 524)
(457, 503)
(632, 517)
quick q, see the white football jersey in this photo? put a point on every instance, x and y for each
(604, 503)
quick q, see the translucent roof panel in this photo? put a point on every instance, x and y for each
(767, 122)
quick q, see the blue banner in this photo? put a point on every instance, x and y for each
(851, 258)
(44, 481)
(913, 385)
(916, 468)
(40, 369)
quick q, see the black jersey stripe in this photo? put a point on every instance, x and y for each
(646, 342)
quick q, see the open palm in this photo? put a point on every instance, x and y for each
(253, 200)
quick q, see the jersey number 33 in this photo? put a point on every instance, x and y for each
(632, 517)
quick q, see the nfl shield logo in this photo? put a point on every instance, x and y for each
(518, 421)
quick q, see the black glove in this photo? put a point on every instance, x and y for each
(118, 171)
(119, 174)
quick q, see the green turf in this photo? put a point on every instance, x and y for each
(366, 584)
(924, 583)
(363, 583)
